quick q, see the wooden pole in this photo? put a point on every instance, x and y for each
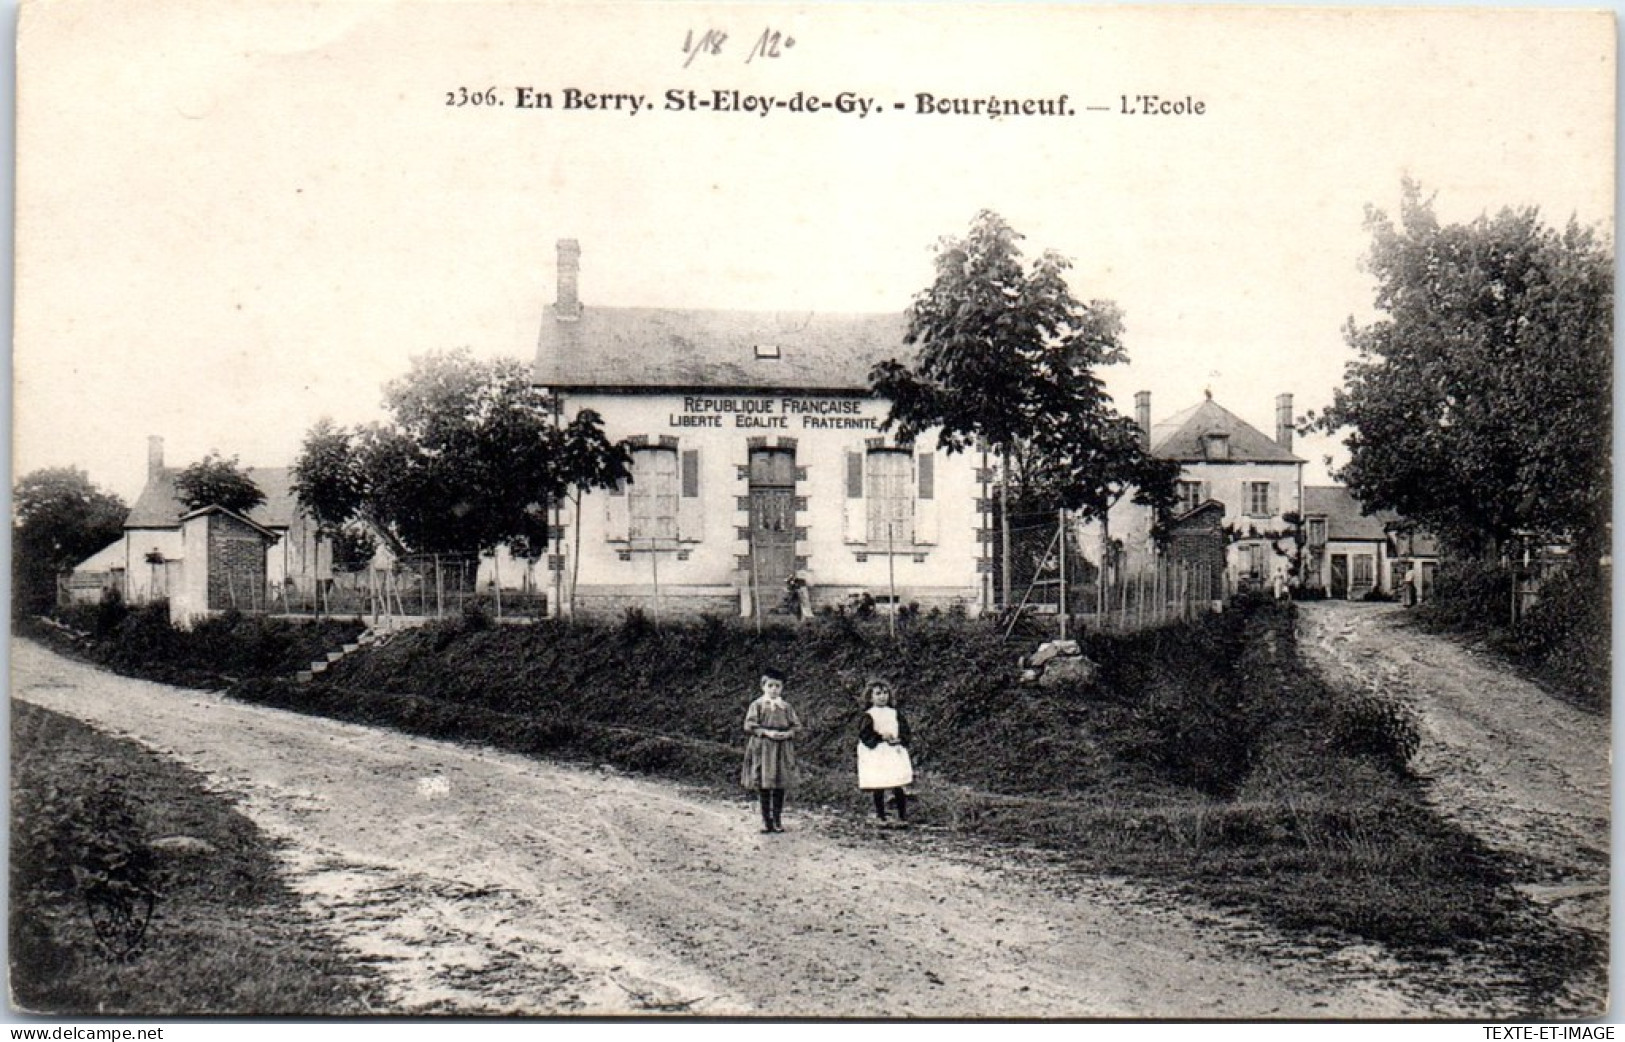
(891, 582)
(755, 582)
(654, 565)
(1004, 524)
(1062, 537)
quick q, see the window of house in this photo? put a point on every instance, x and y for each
(1365, 570)
(1216, 446)
(652, 496)
(889, 490)
(1257, 560)
(1190, 496)
(1317, 531)
(1258, 499)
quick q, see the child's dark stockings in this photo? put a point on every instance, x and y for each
(899, 797)
(772, 801)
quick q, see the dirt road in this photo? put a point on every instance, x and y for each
(1525, 772)
(486, 883)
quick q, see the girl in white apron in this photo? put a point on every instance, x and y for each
(883, 760)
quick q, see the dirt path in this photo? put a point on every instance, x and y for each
(482, 882)
(1525, 772)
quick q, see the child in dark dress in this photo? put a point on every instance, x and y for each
(770, 751)
(883, 760)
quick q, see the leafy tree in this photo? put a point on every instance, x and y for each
(471, 458)
(217, 481)
(1479, 402)
(1007, 355)
(327, 476)
(353, 547)
(59, 519)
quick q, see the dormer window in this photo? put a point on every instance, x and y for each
(767, 350)
(1216, 446)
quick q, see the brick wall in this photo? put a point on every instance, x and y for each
(1198, 541)
(236, 565)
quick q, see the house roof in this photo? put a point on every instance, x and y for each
(680, 348)
(216, 508)
(159, 507)
(1345, 519)
(104, 560)
(1179, 437)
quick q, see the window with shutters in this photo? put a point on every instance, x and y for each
(652, 496)
(1190, 496)
(1317, 531)
(1258, 499)
(889, 491)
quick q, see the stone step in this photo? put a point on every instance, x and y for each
(334, 656)
(318, 667)
(303, 676)
(350, 649)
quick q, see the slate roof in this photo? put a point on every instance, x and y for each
(1344, 518)
(158, 507)
(1179, 437)
(671, 348)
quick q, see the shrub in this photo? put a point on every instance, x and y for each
(476, 615)
(1469, 595)
(1381, 728)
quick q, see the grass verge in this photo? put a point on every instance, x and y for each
(135, 892)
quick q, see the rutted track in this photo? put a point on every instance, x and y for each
(1525, 772)
(486, 883)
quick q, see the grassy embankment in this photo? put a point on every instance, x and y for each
(224, 935)
(1203, 757)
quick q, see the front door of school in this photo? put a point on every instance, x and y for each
(772, 523)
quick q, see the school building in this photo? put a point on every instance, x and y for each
(761, 480)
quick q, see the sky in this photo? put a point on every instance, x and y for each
(233, 220)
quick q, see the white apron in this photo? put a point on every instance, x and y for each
(885, 766)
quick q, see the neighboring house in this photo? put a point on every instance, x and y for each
(1347, 553)
(1415, 564)
(757, 458)
(1224, 460)
(147, 563)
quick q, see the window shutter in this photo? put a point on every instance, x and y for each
(1273, 499)
(1205, 491)
(925, 498)
(855, 519)
(690, 504)
(617, 514)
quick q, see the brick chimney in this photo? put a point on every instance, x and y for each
(155, 456)
(568, 304)
(1283, 421)
(1142, 417)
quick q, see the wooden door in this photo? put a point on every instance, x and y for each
(772, 521)
(1340, 576)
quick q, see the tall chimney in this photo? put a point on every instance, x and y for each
(568, 304)
(1283, 421)
(1142, 416)
(155, 456)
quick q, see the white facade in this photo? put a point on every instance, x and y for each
(736, 492)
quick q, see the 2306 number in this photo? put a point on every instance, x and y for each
(463, 96)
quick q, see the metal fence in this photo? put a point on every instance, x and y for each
(1051, 579)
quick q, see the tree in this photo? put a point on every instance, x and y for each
(217, 481)
(58, 519)
(472, 458)
(1007, 355)
(327, 478)
(1478, 405)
